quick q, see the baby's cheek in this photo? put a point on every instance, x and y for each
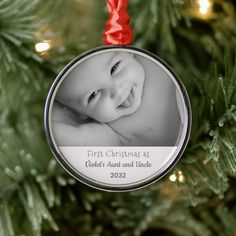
(103, 113)
(134, 74)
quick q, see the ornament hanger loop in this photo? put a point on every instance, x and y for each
(118, 31)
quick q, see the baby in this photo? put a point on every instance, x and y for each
(116, 99)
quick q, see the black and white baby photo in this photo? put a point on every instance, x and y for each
(117, 98)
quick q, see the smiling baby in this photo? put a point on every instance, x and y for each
(116, 99)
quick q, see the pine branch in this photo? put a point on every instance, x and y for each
(17, 33)
(33, 187)
(26, 172)
(162, 17)
(213, 159)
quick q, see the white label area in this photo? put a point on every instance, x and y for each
(119, 165)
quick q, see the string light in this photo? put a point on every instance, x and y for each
(177, 176)
(204, 6)
(42, 46)
(181, 178)
(173, 177)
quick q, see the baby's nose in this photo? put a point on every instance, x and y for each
(116, 90)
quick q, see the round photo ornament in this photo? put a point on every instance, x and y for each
(117, 117)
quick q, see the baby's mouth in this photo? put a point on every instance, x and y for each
(128, 101)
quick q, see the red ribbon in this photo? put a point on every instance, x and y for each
(118, 31)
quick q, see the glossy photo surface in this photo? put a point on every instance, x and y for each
(117, 118)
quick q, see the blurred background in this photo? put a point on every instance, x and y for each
(197, 198)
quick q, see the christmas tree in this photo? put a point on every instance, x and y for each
(38, 197)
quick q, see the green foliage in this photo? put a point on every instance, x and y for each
(16, 19)
(164, 15)
(37, 197)
(213, 132)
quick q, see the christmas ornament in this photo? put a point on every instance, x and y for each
(117, 117)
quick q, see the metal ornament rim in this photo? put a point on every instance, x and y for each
(75, 174)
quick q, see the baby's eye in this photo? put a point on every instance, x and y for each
(92, 96)
(113, 69)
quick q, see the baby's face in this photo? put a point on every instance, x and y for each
(104, 87)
